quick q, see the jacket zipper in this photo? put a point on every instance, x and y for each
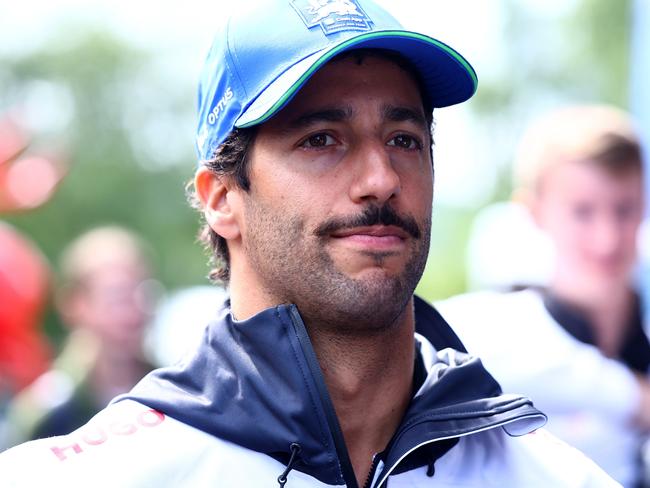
(332, 421)
(347, 470)
(371, 473)
(430, 441)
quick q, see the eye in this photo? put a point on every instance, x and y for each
(583, 212)
(625, 211)
(404, 141)
(318, 140)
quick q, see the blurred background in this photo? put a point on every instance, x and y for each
(99, 96)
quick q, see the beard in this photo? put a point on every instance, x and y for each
(295, 266)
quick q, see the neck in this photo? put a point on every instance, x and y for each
(607, 307)
(116, 372)
(247, 296)
(369, 378)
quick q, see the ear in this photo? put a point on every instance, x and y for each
(216, 196)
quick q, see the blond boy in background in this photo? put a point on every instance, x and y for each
(579, 343)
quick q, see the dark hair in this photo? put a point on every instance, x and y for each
(231, 159)
(600, 135)
(618, 155)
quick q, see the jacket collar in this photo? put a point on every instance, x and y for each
(257, 383)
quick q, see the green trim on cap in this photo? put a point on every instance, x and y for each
(350, 42)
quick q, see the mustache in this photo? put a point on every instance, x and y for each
(372, 215)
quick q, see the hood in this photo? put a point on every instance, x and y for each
(257, 383)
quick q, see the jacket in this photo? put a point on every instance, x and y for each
(250, 408)
(590, 399)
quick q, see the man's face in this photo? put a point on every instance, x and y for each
(593, 218)
(112, 303)
(338, 216)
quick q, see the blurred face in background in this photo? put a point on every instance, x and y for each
(592, 217)
(112, 302)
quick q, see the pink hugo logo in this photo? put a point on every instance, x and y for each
(95, 434)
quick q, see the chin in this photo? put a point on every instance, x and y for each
(604, 277)
(375, 276)
(364, 305)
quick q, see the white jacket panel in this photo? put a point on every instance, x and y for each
(589, 398)
(128, 445)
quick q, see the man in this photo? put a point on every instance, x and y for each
(316, 185)
(580, 341)
(104, 299)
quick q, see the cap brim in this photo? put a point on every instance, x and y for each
(445, 74)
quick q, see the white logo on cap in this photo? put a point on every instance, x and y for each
(201, 137)
(332, 15)
(218, 109)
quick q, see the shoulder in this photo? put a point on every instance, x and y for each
(120, 443)
(487, 320)
(82, 456)
(537, 459)
(133, 446)
(548, 454)
(473, 304)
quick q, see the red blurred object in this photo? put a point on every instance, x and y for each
(24, 285)
(26, 181)
(12, 141)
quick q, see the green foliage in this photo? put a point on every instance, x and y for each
(110, 179)
(599, 52)
(580, 55)
(444, 274)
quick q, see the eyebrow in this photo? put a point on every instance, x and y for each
(389, 112)
(404, 114)
(325, 115)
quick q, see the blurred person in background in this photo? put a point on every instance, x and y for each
(579, 344)
(105, 300)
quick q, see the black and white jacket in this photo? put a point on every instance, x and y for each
(250, 408)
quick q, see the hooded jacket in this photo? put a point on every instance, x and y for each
(250, 408)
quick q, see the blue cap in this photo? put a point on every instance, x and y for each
(268, 49)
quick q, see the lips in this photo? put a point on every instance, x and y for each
(378, 231)
(375, 239)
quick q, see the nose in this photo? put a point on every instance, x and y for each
(606, 237)
(375, 176)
